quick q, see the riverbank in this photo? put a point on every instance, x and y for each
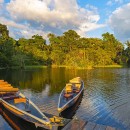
(110, 66)
(34, 67)
(67, 67)
(89, 67)
(26, 67)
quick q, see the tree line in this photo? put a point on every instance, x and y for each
(69, 49)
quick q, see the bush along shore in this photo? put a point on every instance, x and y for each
(69, 50)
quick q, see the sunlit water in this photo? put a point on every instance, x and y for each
(106, 98)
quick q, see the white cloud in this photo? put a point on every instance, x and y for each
(43, 12)
(88, 27)
(118, 1)
(27, 32)
(1, 5)
(1, 1)
(30, 32)
(109, 3)
(112, 2)
(52, 16)
(21, 30)
(91, 7)
(120, 22)
(11, 23)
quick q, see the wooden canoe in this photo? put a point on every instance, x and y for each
(22, 109)
(16, 103)
(66, 100)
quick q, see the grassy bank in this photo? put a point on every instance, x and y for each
(109, 66)
(67, 67)
(26, 67)
(89, 67)
(71, 67)
(35, 67)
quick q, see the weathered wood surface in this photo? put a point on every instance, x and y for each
(84, 125)
(75, 125)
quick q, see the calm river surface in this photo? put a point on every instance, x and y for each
(106, 98)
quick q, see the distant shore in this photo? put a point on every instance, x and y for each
(67, 67)
(110, 66)
(91, 67)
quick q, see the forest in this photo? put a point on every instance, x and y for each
(67, 50)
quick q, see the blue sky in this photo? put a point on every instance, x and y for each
(89, 18)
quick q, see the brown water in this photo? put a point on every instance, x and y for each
(106, 98)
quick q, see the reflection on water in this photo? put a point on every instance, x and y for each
(4, 125)
(106, 97)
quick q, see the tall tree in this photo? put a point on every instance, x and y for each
(6, 47)
(70, 39)
(112, 46)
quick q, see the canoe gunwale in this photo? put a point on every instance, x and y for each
(26, 113)
(78, 94)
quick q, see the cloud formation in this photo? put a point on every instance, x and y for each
(1, 1)
(112, 2)
(54, 16)
(12, 23)
(120, 21)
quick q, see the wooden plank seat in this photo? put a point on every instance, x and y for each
(9, 97)
(76, 84)
(1, 83)
(68, 90)
(75, 80)
(5, 85)
(5, 88)
(1, 80)
(77, 87)
(8, 90)
(68, 95)
(22, 104)
(6, 93)
(19, 100)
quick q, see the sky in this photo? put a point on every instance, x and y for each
(89, 18)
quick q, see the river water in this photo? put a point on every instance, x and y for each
(106, 98)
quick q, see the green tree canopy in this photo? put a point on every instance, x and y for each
(68, 49)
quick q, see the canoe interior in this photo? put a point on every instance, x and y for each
(64, 101)
(18, 123)
(15, 103)
(24, 106)
(71, 111)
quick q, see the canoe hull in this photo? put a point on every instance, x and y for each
(70, 102)
(17, 105)
(70, 111)
(17, 122)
